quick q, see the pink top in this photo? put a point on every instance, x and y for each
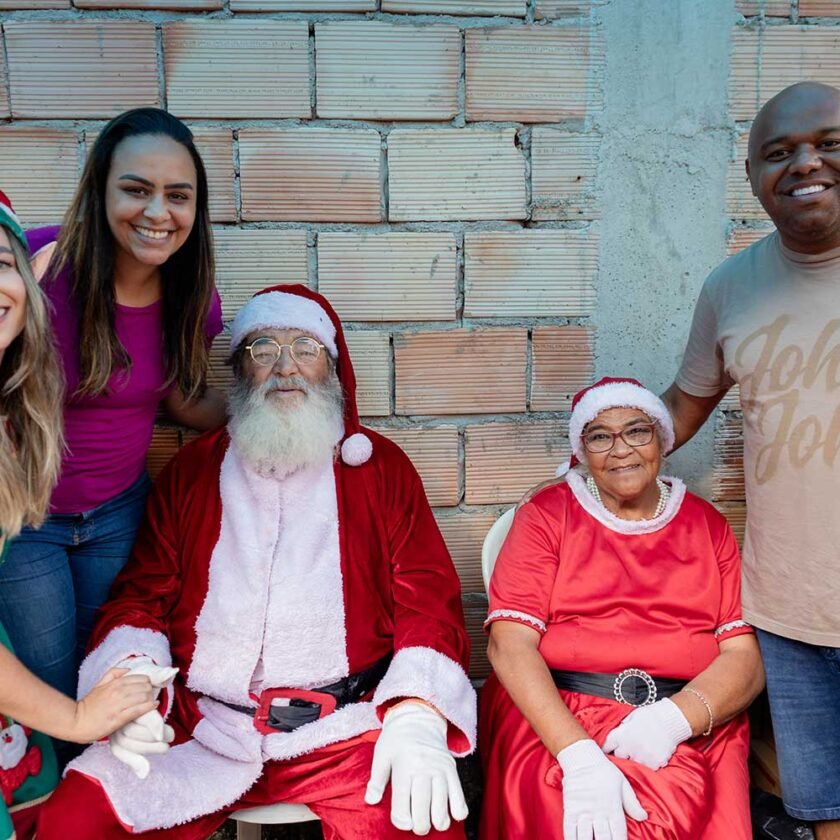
(108, 435)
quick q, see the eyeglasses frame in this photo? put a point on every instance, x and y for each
(249, 348)
(651, 425)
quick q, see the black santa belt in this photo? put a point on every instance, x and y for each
(632, 686)
(287, 709)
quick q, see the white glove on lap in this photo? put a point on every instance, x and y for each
(650, 734)
(412, 752)
(147, 734)
(595, 795)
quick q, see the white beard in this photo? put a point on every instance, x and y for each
(276, 439)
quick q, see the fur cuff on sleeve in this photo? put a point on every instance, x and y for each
(121, 643)
(430, 675)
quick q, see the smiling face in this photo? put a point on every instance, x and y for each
(625, 475)
(12, 295)
(794, 165)
(150, 199)
(292, 377)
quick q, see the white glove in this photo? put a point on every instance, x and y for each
(147, 734)
(412, 752)
(650, 734)
(595, 795)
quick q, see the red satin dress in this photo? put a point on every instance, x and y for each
(608, 594)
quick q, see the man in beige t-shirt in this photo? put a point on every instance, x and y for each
(768, 320)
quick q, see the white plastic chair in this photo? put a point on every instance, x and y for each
(249, 821)
(492, 544)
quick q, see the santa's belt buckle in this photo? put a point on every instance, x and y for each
(634, 674)
(287, 709)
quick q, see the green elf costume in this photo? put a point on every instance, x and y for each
(28, 768)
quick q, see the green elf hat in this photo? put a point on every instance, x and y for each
(11, 221)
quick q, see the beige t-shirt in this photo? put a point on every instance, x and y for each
(768, 319)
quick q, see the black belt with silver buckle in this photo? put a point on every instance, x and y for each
(287, 709)
(632, 686)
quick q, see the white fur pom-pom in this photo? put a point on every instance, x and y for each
(356, 449)
(562, 469)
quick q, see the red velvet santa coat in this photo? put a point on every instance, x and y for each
(302, 581)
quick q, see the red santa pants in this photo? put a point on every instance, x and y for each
(331, 781)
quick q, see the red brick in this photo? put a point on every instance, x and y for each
(14, 5)
(434, 453)
(563, 363)
(390, 276)
(460, 371)
(215, 145)
(165, 444)
(728, 473)
(563, 174)
(503, 460)
(740, 202)
(4, 84)
(771, 8)
(80, 68)
(250, 260)
(303, 5)
(741, 237)
(819, 8)
(475, 613)
(530, 273)
(788, 54)
(736, 515)
(509, 8)
(553, 9)
(375, 70)
(153, 5)
(371, 355)
(219, 374)
(464, 532)
(455, 174)
(54, 156)
(237, 68)
(310, 174)
(502, 84)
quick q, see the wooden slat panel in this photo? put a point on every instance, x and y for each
(503, 460)
(501, 83)
(376, 70)
(388, 277)
(530, 273)
(434, 453)
(457, 174)
(237, 68)
(446, 372)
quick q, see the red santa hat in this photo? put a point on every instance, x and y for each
(609, 393)
(295, 306)
(9, 219)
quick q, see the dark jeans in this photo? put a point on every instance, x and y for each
(55, 578)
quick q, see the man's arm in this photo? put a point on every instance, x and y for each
(688, 412)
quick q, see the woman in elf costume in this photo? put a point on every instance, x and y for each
(30, 454)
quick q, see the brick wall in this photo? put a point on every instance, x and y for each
(430, 165)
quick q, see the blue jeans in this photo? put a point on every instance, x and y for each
(55, 578)
(803, 684)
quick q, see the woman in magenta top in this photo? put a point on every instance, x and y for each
(134, 311)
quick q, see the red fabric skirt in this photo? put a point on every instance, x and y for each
(702, 794)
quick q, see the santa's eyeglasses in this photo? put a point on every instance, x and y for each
(266, 351)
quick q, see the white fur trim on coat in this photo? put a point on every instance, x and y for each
(627, 526)
(274, 611)
(121, 643)
(619, 395)
(282, 311)
(430, 675)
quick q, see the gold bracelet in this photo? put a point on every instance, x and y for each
(705, 702)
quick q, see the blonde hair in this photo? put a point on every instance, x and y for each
(31, 402)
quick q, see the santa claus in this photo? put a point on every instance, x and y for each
(290, 568)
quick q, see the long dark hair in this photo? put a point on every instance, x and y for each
(86, 245)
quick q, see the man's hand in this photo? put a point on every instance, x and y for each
(116, 699)
(147, 734)
(596, 795)
(412, 753)
(649, 734)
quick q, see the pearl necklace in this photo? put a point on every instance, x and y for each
(664, 495)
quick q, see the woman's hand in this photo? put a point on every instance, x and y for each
(119, 697)
(649, 734)
(596, 796)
